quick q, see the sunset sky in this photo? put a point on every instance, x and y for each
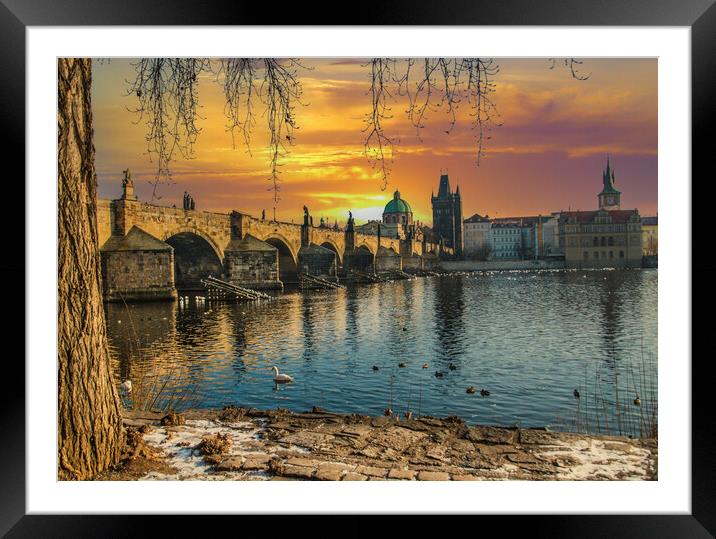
(547, 156)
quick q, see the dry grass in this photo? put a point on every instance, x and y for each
(608, 403)
(215, 444)
(155, 390)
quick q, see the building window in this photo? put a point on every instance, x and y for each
(621, 254)
(611, 241)
(596, 241)
(596, 255)
(611, 254)
(604, 241)
(586, 255)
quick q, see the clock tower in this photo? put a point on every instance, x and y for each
(609, 198)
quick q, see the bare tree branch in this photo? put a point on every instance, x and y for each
(167, 94)
(572, 64)
(377, 146)
(280, 90)
(432, 85)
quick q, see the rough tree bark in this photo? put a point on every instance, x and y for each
(89, 419)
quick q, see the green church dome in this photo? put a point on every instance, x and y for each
(397, 205)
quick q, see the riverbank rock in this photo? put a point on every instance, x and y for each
(239, 444)
(172, 419)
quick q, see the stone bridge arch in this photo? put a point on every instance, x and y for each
(330, 244)
(218, 249)
(196, 256)
(287, 256)
(366, 246)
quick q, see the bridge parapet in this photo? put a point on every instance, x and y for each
(164, 222)
(183, 229)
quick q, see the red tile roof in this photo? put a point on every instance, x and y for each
(477, 218)
(618, 216)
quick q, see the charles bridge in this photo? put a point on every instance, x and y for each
(148, 251)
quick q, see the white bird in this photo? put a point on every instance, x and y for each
(281, 378)
(127, 384)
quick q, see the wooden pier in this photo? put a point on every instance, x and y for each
(218, 290)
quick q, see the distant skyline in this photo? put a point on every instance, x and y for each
(547, 156)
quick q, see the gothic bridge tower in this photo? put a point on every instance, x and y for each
(447, 215)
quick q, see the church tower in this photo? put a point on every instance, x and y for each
(609, 198)
(447, 215)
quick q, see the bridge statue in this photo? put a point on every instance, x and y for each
(127, 180)
(128, 186)
(305, 215)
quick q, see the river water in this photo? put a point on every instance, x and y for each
(528, 337)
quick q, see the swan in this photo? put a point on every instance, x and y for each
(281, 378)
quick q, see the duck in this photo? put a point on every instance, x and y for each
(452, 367)
(376, 368)
(388, 412)
(471, 390)
(408, 415)
(281, 378)
(637, 401)
(439, 374)
(484, 393)
(425, 365)
(402, 365)
(576, 393)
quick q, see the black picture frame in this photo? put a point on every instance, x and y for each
(699, 15)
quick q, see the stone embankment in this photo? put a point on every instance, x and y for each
(248, 444)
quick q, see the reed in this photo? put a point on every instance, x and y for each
(153, 388)
(607, 401)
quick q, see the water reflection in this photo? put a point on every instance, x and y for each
(530, 338)
(449, 324)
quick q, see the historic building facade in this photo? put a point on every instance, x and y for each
(447, 215)
(650, 235)
(607, 237)
(601, 238)
(397, 217)
(478, 236)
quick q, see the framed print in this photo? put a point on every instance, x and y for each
(426, 255)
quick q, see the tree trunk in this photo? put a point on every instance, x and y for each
(89, 420)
